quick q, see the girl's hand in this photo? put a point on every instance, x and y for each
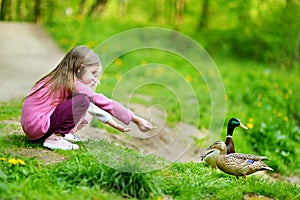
(142, 124)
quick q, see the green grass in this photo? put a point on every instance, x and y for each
(85, 175)
(195, 181)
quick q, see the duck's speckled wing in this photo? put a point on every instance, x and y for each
(241, 164)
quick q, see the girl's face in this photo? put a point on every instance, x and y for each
(91, 75)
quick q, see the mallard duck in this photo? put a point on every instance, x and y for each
(232, 124)
(236, 163)
(211, 154)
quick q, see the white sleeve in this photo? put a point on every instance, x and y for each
(98, 113)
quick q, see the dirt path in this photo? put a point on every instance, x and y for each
(26, 53)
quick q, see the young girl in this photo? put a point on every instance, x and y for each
(62, 101)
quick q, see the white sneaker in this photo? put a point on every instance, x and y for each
(71, 137)
(56, 141)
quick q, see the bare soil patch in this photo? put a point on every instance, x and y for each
(44, 155)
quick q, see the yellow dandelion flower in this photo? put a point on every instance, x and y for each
(279, 114)
(22, 162)
(118, 77)
(188, 78)
(250, 125)
(260, 96)
(259, 104)
(118, 62)
(13, 161)
(286, 96)
(275, 85)
(285, 118)
(251, 119)
(4, 159)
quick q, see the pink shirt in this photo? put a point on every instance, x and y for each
(38, 108)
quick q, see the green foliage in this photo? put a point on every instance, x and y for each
(265, 31)
(279, 141)
(258, 38)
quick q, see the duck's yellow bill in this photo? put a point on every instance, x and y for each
(243, 126)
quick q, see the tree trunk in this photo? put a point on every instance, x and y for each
(50, 7)
(98, 6)
(18, 10)
(6, 10)
(37, 12)
(204, 16)
(2, 11)
(179, 12)
(82, 7)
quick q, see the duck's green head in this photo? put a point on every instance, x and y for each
(232, 124)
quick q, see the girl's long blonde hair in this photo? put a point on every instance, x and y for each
(62, 79)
